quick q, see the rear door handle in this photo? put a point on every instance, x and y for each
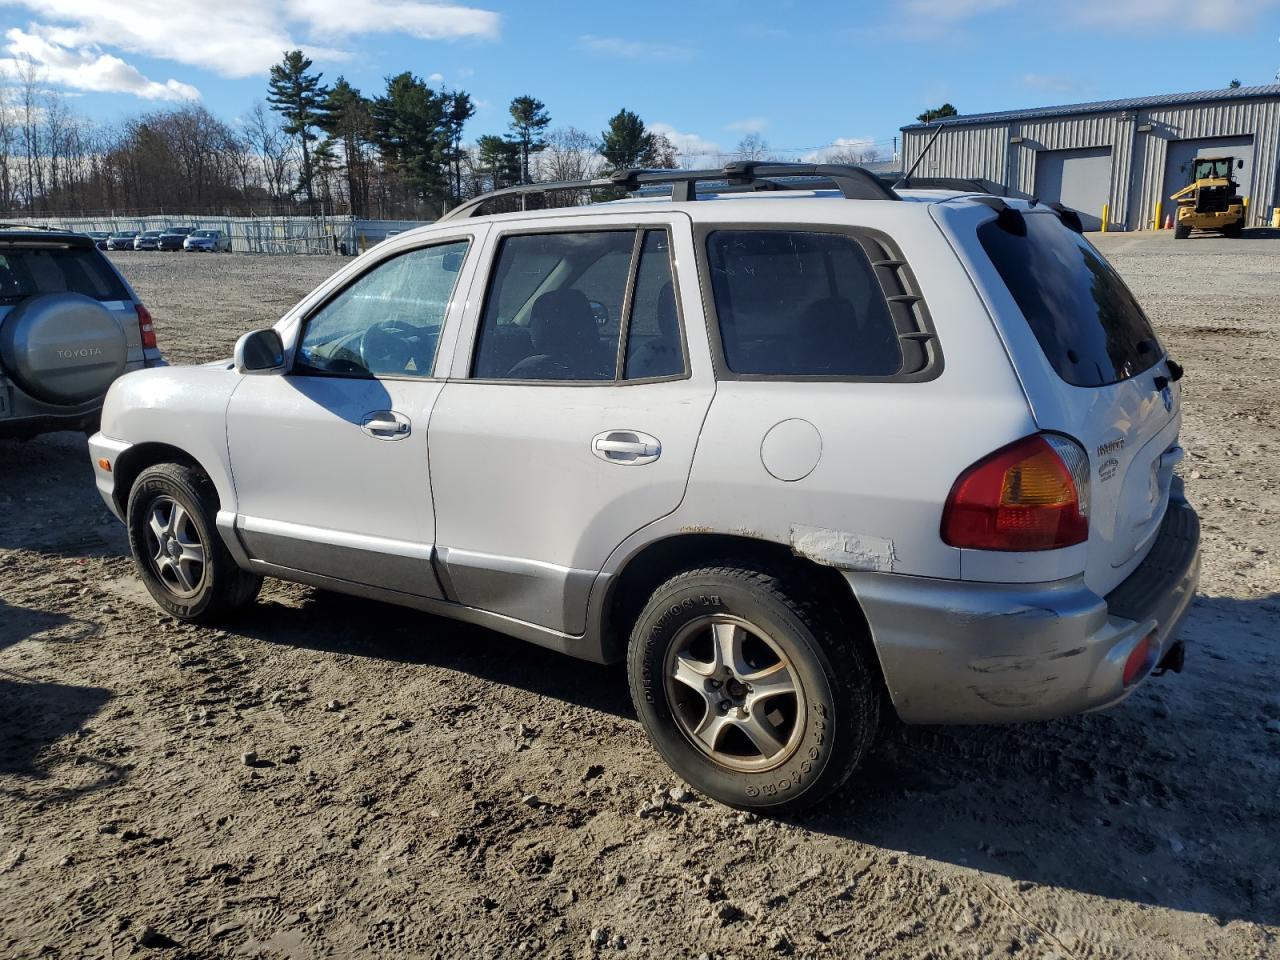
(386, 425)
(629, 447)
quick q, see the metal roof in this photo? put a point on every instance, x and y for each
(1105, 106)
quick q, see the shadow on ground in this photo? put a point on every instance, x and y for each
(1191, 797)
(353, 626)
(35, 715)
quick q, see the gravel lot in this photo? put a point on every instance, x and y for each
(332, 777)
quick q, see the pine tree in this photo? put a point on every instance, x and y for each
(460, 109)
(627, 144)
(298, 96)
(529, 118)
(411, 133)
(348, 121)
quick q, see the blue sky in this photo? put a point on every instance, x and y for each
(802, 75)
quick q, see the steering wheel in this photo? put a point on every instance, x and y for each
(385, 347)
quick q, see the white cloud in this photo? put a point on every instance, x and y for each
(953, 10)
(436, 78)
(87, 69)
(694, 150)
(1137, 13)
(429, 21)
(243, 38)
(749, 125)
(841, 149)
(633, 49)
(1048, 81)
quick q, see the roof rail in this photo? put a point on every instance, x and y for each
(10, 225)
(963, 184)
(854, 183)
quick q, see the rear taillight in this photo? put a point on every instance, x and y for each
(145, 328)
(1031, 495)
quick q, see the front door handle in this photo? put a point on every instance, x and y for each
(628, 447)
(386, 425)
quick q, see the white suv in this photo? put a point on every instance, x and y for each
(799, 448)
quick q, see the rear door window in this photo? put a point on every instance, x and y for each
(1089, 325)
(800, 304)
(26, 272)
(554, 307)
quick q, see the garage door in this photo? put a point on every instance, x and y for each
(1081, 179)
(1180, 153)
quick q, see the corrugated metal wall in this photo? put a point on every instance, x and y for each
(1138, 158)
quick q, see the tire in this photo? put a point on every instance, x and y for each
(820, 733)
(1233, 230)
(175, 504)
(1181, 232)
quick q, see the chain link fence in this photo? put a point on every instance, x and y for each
(334, 236)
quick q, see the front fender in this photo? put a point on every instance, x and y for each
(180, 407)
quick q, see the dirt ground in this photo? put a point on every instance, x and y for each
(332, 777)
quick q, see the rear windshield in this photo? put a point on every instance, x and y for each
(1089, 325)
(25, 272)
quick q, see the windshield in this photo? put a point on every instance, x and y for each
(1219, 169)
(1087, 322)
(205, 233)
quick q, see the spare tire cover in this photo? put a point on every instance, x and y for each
(62, 348)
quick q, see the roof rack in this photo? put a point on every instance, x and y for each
(854, 183)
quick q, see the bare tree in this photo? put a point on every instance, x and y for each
(28, 93)
(752, 147)
(274, 150)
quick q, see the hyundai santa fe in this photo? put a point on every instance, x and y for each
(804, 451)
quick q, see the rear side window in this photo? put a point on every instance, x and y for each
(25, 272)
(554, 307)
(1088, 324)
(792, 303)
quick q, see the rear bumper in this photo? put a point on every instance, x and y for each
(1211, 220)
(966, 652)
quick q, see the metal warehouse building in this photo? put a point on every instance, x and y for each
(1124, 156)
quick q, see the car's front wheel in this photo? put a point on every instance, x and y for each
(751, 688)
(179, 555)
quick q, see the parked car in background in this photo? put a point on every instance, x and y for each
(148, 240)
(69, 325)
(99, 237)
(756, 482)
(172, 238)
(122, 240)
(207, 241)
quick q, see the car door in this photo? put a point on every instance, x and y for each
(579, 388)
(330, 460)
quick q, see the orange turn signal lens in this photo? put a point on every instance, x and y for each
(104, 464)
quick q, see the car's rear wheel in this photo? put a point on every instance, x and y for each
(180, 557)
(1181, 231)
(751, 688)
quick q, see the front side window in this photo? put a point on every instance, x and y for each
(799, 304)
(554, 307)
(387, 322)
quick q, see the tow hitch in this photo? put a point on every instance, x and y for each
(1172, 660)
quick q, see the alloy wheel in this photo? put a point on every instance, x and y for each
(735, 694)
(176, 553)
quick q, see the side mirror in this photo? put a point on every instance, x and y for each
(260, 352)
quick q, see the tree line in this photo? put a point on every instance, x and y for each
(309, 147)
